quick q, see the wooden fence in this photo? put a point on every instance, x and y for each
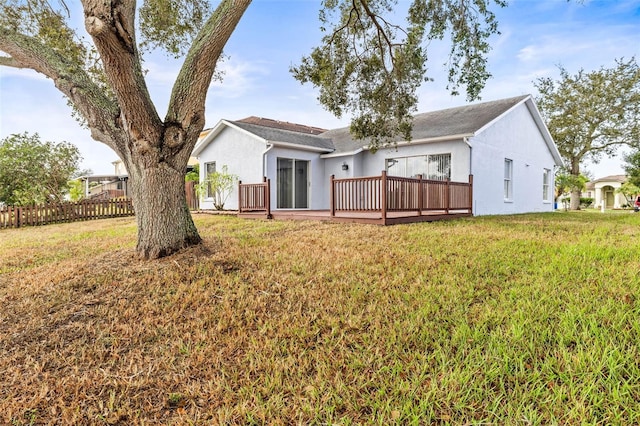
(398, 194)
(35, 215)
(254, 197)
(193, 200)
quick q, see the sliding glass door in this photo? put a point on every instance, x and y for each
(293, 183)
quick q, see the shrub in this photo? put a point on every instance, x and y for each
(586, 202)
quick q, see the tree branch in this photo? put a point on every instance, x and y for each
(112, 28)
(8, 61)
(100, 112)
(185, 115)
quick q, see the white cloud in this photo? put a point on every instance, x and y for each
(239, 77)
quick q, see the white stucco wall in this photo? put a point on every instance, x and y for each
(517, 137)
(241, 153)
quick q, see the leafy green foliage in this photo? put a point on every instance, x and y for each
(193, 175)
(629, 190)
(218, 186)
(34, 172)
(586, 202)
(76, 190)
(371, 67)
(566, 183)
(590, 114)
(632, 167)
(172, 24)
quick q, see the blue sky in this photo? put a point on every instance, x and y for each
(536, 36)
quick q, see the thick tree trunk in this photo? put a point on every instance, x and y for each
(574, 199)
(164, 221)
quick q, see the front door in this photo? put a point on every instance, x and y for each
(609, 196)
(293, 183)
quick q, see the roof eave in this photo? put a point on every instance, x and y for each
(216, 131)
(537, 117)
(342, 154)
(299, 146)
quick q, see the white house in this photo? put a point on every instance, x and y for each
(504, 144)
(604, 189)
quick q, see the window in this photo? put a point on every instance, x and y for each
(508, 179)
(435, 167)
(209, 168)
(546, 187)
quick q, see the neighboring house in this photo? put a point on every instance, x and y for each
(604, 189)
(120, 169)
(504, 144)
(107, 186)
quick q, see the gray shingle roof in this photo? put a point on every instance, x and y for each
(464, 120)
(272, 134)
(283, 125)
(612, 178)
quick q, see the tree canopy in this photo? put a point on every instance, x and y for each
(35, 172)
(368, 64)
(632, 167)
(591, 114)
(371, 67)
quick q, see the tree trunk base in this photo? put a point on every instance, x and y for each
(165, 225)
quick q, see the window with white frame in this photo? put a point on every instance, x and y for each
(508, 179)
(546, 185)
(435, 167)
(209, 168)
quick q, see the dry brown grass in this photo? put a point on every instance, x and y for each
(269, 322)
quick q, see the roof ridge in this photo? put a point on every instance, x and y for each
(281, 125)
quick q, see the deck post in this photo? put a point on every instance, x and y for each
(471, 194)
(332, 195)
(239, 196)
(267, 196)
(383, 196)
(447, 196)
(420, 195)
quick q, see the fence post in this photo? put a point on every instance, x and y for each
(267, 196)
(446, 197)
(383, 196)
(420, 195)
(239, 196)
(471, 194)
(332, 196)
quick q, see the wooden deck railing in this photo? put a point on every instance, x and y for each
(255, 197)
(398, 194)
(35, 215)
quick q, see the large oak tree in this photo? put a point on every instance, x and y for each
(591, 114)
(367, 65)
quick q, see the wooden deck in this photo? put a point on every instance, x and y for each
(379, 200)
(374, 218)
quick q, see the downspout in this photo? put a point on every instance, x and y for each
(466, 140)
(264, 158)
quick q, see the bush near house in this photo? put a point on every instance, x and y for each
(586, 202)
(497, 320)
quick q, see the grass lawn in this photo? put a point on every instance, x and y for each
(529, 319)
